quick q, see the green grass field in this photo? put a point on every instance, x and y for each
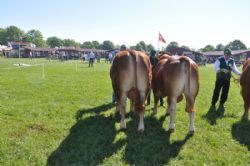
(66, 118)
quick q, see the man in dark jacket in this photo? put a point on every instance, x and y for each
(153, 61)
(223, 66)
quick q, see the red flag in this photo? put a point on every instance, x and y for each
(161, 38)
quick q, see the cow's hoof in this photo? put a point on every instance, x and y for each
(191, 132)
(123, 129)
(141, 130)
(167, 114)
(122, 126)
(244, 118)
(154, 111)
(171, 130)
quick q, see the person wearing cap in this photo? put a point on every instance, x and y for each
(153, 61)
(123, 48)
(223, 66)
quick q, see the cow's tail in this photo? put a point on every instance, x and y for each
(188, 73)
(137, 94)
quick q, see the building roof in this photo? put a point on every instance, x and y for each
(220, 53)
(40, 49)
(180, 51)
(79, 49)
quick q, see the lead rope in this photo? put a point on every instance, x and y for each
(236, 80)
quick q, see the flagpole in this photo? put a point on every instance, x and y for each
(19, 48)
(158, 41)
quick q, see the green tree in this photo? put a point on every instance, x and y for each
(132, 47)
(54, 42)
(219, 47)
(141, 46)
(172, 45)
(150, 47)
(77, 45)
(107, 45)
(3, 39)
(185, 47)
(69, 43)
(87, 45)
(96, 44)
(208, 48)
(13, 33)
(36, 37)
(236, 45)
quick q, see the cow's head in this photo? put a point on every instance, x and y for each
(163, 55)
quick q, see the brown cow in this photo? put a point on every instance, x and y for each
(173, 76)
(245, 87)
(131, 77)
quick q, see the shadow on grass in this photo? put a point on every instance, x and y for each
(241, 132)
(153, 147)
(212, 115)
(92, 140)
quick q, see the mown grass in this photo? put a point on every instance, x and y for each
(66, 118)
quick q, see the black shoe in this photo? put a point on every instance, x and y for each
(222, 106)
(213, 106)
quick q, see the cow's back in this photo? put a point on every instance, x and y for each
(130, 73)
(122, 72)
(172, 74)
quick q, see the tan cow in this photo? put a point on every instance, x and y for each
(173, 76)
(131, 77)
(245, 87)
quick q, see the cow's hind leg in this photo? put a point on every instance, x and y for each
(156, 100)
(132, 106)
(246, 112)
(171, 110)
(122, 108)
(190, 109)
(141, 112)
(246, 106)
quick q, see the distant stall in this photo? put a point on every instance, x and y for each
(39, 52)
(238, 55)
(194, 55)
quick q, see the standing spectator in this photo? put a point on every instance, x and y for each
(153, 61)
(91, 58)
(223, 66)
(106, 58)
(98, 58)
(85, 56)
(110, 57)
(63, 56)
(31, 56)
(4, 53)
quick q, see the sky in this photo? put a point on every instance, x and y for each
(193, 23)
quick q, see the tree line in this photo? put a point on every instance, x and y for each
(234, 45)
(13, 33)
